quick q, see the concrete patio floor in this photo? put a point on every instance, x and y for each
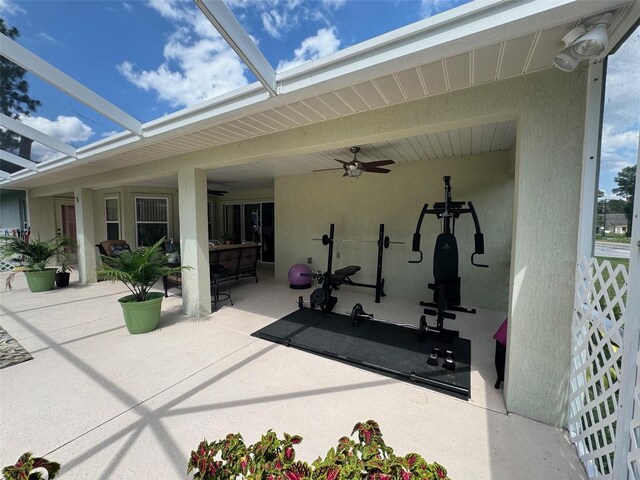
(107, 404)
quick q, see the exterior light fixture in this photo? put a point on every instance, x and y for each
(583, 42)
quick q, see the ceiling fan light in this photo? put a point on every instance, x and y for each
(354, 172)
(565, 61)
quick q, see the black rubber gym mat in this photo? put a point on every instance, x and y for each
(385, 348)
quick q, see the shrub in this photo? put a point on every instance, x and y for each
(272, 458)
(29, 467)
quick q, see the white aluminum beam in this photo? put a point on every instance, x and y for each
(16, 160)
(226, 23)
(5, 175)
(50, 74)
(36, 135)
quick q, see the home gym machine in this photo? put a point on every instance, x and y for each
(322, 297)
(446, 286)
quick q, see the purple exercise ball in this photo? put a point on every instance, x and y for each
(300, 276)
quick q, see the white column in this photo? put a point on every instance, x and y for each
(591, 160)
(194, 245)
(631, 346)
(86, 234)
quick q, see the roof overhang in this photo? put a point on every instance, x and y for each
(477, 26)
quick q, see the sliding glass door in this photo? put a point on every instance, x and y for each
(251, 222)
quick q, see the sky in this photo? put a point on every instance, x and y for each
(155, 57)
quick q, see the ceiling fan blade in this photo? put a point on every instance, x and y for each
(377, 170)
(218, 193)
(377, 163)
(327, 169)
(342, 161)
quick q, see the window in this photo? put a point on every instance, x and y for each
(152, 220)
(112, 215)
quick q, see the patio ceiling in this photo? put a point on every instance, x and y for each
(474, 44)
(490, 137)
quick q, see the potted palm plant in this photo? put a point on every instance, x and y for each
(139, 270)
(63, 274)
(34, 257)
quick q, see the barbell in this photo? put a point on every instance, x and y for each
(386, 242)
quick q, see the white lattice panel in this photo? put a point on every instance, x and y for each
(597, 329)
(634, 450)
(5, 266)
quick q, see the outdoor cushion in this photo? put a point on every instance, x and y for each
(501, 334)
(108, 245)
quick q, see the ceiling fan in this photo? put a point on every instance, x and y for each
(218, 193)
(355, 167)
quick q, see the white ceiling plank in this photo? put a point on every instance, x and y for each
(435, 144)
(319, 106)
(350, 97)
(226, 23)
(19, 161)
(410, 83)
(454, 138)
(550, 40)
(390, 89)
(445, 143)
(514, 58)
(509, 137)
(50, 74)
(370, 94)
(476, 138)
(434, 77)
(465, 140)
(36, 135)
(426, 145)
(418, 148)
(498, 136)
(485, 63)
(487, 137)
(459, 71)
(336, 104)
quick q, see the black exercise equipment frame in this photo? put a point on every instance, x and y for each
(447, 212)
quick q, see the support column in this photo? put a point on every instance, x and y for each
(194, 244)
(85, 229)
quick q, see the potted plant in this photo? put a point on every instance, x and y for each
(63, 274)
(34, 256)
(30, 467)
(139, 270)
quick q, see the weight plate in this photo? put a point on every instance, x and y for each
(319, 296)
(300, 302)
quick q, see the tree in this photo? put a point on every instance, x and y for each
(14, 94)
(626, 180)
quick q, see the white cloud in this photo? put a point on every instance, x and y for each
(429, 8)
(49, 38)
(621, 121)
(66, 129)
(281, 16)
(198, 63)
(7, 7)
(323, 43)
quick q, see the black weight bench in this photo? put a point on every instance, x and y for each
(342, 275)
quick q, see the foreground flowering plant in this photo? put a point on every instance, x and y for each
(29, 467)
(272, 458)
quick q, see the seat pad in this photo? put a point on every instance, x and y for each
(347, 271)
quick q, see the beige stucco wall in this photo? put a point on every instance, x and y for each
(307, 204)
(42, 217)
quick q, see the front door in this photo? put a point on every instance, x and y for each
(66, 225)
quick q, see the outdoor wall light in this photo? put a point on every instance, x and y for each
(583, 42)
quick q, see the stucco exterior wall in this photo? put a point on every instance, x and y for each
(42, 217)
(307, 204)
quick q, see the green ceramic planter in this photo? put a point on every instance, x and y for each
(142, 317)
(41, 281)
